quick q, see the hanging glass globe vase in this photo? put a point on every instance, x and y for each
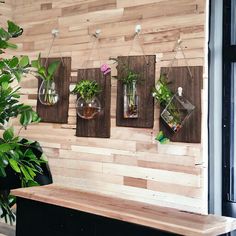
(88, 108)
(48, 94)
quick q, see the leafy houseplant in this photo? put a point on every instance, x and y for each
(21, 161)
(47, 91)
(88, 105)
(164, 95)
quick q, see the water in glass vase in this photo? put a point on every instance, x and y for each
(47, 93)
(88, 109)
(130, 101)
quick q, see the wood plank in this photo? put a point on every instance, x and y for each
(57, 113)
(146, 81)
(100, 125)
(166, 219)
(180, 77)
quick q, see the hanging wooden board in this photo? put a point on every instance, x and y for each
(57, 113)
(100, 125)
(180, 77)
(146, 71)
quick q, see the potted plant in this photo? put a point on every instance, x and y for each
(22, 162)
(88, 105)
(47, 92)
(175, 107)
(129, 81)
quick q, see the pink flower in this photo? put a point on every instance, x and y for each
(105, 69)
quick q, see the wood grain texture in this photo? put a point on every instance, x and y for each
(192, 87)
(100, 125)
(166, 219)
(102, 164)
(145, 68)
(57, 113)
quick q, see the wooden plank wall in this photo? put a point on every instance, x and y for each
(5, 11)
(129, 164)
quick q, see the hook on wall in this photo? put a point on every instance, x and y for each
(55, 32)
(138, 29)
(97, 33)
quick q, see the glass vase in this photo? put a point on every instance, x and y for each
(88, 108)
(130, 100)
(48, 94)
(177, 112)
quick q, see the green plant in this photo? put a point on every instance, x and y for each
(87, 89)
(161, 92)
(16, 154)
(129, 76)
(47, 92)
(163, 95)
(44, 73)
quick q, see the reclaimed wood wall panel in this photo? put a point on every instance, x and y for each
(58, 113)
(192, 87)
(100, 125)
(109, 165)
(145, 68)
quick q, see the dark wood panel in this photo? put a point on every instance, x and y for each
(57, 113)
(179, 77)
(144, 91)
(100, 125)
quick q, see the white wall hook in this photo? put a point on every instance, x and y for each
(179, 41)
(97, 33)
(180, 91)
(55, 32)
(138, 29)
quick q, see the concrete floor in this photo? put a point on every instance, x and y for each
(7, 230)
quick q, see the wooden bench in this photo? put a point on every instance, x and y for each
(67, 211)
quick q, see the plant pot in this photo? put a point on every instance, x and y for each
(88, 109)
(130, 101)
(47, 93)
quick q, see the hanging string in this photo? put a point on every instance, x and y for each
(178, 46)
(50, 48)
(136, 36)
(89, 55)
(54, 34)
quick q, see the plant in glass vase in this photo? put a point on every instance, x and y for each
(47, 92)
(22, 162)
(175, 107)
(129, 81)
(88, 105)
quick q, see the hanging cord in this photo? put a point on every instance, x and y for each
(89, 55)
(178, 46)
(55, 33)
(137, 36)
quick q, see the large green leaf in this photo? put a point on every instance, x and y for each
(4, 35)
(8, 135)
(24, 61)
(5, 147)
(13, 29)
(53, 67)
(14, 165)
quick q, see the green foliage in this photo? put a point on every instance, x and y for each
(44, 73)
(6, 203)
(160, 137)
(16, 153)
(87, 89)
(129, 75)
(161, 92)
